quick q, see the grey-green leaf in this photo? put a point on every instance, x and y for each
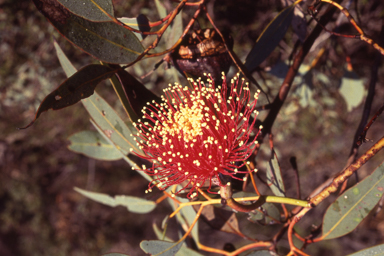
(262, 253)
(111, 124)
(163, 248)
(353, 205)
(377, 250)
(93, 10)
(274, 178)
(69, 69)
(92, 144)
(270, 38)
(133, 204)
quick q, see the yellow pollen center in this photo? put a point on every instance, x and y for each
(186, 120)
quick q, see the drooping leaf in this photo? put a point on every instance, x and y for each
(176, 31)
(352, 89)
(79, 86)
(353, 205)
(274, 178)
(110, 123)
(163, 248)
(269, 38)
(184, 251)
(92, 144)
(186, 216)
(93, 10)
(190, 215)
(123, 153)
(160, 9)
(133, 204)
(106, 41)
(136, 93)
(67, 66)
(377, 250)
(141, 23)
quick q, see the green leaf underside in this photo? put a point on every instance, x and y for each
(372, 251)
(92, 144)
(274, 178)
(270, 38)
(133, 204)
(163, 248)
(93, 10)
(79, 86)
(106, 41)
(353, 205)
(111, 124)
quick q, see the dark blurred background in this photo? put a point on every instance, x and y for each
(40, 214)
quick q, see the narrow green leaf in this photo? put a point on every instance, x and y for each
(269, 38)
(189, 214)
(160, 9)
(274, 178)
(353, 205)
(141, 23)
(69, 69)
(377, 250)
(163, 248)
(93, 10)
(176, 30)
(352, 89)
(133, 204)
(92, 144)
(79, 86)
(106, 41)
(123, 154)
(111, 124)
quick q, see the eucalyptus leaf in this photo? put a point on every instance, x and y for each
(110, 123)
(67, 66)
(93, 10)
(353, 205)
(377, 250)
(274, 177)
(262, 253)
(80, 85)
(133, 204)
(92, 144)
(269, 38)
(107, 41)
(163, 248)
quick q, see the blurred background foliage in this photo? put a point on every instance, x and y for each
(41, 214)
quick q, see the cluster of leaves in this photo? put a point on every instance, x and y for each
(119, 43)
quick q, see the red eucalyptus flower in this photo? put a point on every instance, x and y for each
(196, 134)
